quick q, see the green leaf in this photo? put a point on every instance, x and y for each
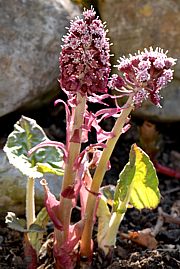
(108, 192)
(137, 184)
(15, 223)
(27, 134)
(47, 168)
(37, 229)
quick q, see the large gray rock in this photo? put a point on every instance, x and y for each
(13, 188)
(137, 24)
(31, 33)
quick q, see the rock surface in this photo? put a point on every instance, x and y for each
(31, 33)
(13, 188)
(139, 24)
(170, 110)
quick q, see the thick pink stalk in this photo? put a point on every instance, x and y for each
(65, 206)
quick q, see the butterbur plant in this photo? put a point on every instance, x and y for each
(84, 73)
(143, 76)
(85, 78)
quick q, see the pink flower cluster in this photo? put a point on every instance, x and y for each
(84, 59)
(145, 74)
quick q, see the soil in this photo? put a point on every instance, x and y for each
(127, 253)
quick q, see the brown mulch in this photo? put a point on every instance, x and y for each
(126, 254)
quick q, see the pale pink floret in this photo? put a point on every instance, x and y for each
(140, 96)
(116, 82)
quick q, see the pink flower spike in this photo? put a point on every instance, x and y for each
(85, 59)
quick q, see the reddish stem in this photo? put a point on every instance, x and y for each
(166, 170)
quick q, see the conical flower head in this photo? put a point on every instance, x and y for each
(147, 73)
(84, 59)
